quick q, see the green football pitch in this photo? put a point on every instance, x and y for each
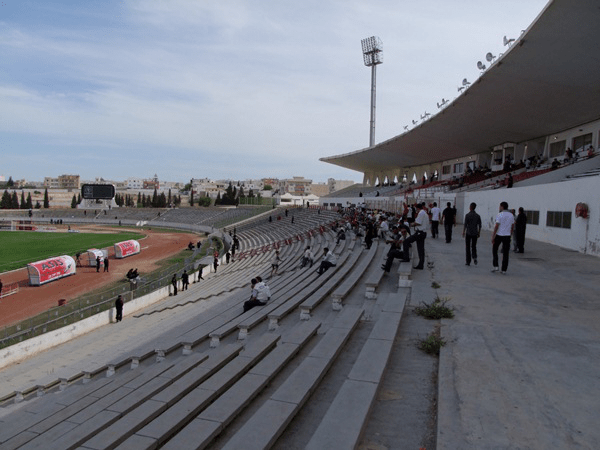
(18, 248)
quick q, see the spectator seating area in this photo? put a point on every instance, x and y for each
(190, 218)
(227, 378)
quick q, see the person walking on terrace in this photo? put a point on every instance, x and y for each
(185, 280)
(520, 226)
(215, 260)
(119, 308)
(505, 223)
(435, 220)
(449, 221)
(275, 263)
(471, 231)
(174, 283)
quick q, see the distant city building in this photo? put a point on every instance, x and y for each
(134, 183)
(319, 189)
(173, 185)
(69, 182)
(337, 185)
(152, 183)
(273, 182)
(295, 186)
(255, 185)
(205, 187)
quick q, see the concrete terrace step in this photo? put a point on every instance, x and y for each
(374, 279)
(135, 401)
(160, 411)
(201, 431)
(353, 278)
(256, 315)
(344, 422)
(320, 287)
(307, 306)
(269, 421)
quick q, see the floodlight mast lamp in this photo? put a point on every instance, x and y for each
(372, 49)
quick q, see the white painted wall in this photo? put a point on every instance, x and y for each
(584, 235)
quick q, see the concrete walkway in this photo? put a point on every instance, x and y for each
(521, 368)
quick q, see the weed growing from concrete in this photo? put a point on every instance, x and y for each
(436, 309)
(432, 344)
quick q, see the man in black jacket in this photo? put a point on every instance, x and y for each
(520, 226)
(471, 232)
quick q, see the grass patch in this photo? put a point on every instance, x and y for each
(432, 344)
(435, 285)
(178, 258)
(22, 247)
(436, 309)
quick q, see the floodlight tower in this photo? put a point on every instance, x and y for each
(372, 49)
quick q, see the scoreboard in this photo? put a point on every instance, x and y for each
(98, 191)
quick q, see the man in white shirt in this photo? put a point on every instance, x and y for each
(435, 220)
(384, 228)
(505, 223)
(307, 257)
(261, 294)
(327, 262)
(420, 226)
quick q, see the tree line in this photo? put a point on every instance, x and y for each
(11, 201)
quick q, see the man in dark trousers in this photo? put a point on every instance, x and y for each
(505, 224)
(448, 219)
(420, 234)
(185, 280)
(520, 226)
(106, 264)
(174, 283)
(97, 264)
(119, 308)
(396, 239)
(471, 232)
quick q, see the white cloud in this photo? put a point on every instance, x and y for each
(282, 82)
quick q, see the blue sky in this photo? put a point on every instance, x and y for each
(230, 89)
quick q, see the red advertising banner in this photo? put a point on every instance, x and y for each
(50, 269)
(127, 248)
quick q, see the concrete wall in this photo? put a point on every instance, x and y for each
(584, 234)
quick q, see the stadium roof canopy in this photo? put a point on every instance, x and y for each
(547, 82)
